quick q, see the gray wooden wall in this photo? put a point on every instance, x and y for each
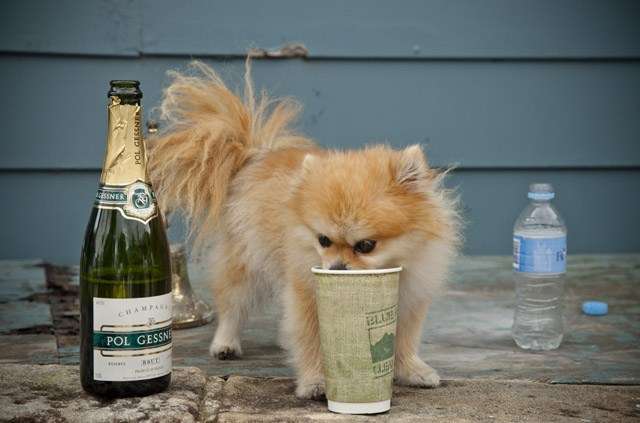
(511, 91)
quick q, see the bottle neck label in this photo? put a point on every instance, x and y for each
(135, 201)
(124, 183)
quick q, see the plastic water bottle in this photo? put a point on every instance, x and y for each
(539, 262)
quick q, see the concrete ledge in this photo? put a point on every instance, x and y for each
(52, 393)
(47, 393)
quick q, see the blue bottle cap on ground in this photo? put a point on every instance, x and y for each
(595, 308)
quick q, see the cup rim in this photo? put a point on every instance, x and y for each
(320, 271)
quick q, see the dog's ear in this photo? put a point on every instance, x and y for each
(307, 162)
(412, 166)
(305, 167)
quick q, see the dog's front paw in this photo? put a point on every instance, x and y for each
(225, 352)
(417, 373)
(310, 390)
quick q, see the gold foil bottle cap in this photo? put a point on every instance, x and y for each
(125, 158)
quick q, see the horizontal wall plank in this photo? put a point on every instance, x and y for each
(409, 29)
(600, 207)
(71, 27)
(477, 114)
(412, 29)
(49, 210)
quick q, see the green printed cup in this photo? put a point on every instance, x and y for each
(357, 312)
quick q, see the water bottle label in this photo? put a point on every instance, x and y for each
(539, 255)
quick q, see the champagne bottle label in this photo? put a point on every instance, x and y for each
(124, 184)
(131, 338)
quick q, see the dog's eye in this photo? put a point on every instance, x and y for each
(324, 241)
(365, 246)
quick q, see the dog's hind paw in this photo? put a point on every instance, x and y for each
(313, 390)
(225, 352)
(418, 374)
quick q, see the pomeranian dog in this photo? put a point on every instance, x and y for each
(273, 204)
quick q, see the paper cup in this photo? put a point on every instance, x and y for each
(357, 312)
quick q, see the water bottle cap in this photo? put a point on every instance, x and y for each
(541, 191)
(595, 308)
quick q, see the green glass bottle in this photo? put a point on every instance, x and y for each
(125, 273)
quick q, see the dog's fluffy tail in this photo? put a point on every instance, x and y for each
(208, 134)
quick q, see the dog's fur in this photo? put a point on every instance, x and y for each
(265, 194)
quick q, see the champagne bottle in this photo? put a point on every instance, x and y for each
(125, 274)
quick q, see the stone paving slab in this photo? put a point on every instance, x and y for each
(68, 349)
(34, 393)
(32, 348)
(467, 333)
(211, 401)
(20, 279)
(53, 393)
(25, 315)
(468, 330)
(262, 356)
(246, 399)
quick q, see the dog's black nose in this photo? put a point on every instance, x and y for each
(338, 266)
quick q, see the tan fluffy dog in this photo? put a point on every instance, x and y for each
(273, 204)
